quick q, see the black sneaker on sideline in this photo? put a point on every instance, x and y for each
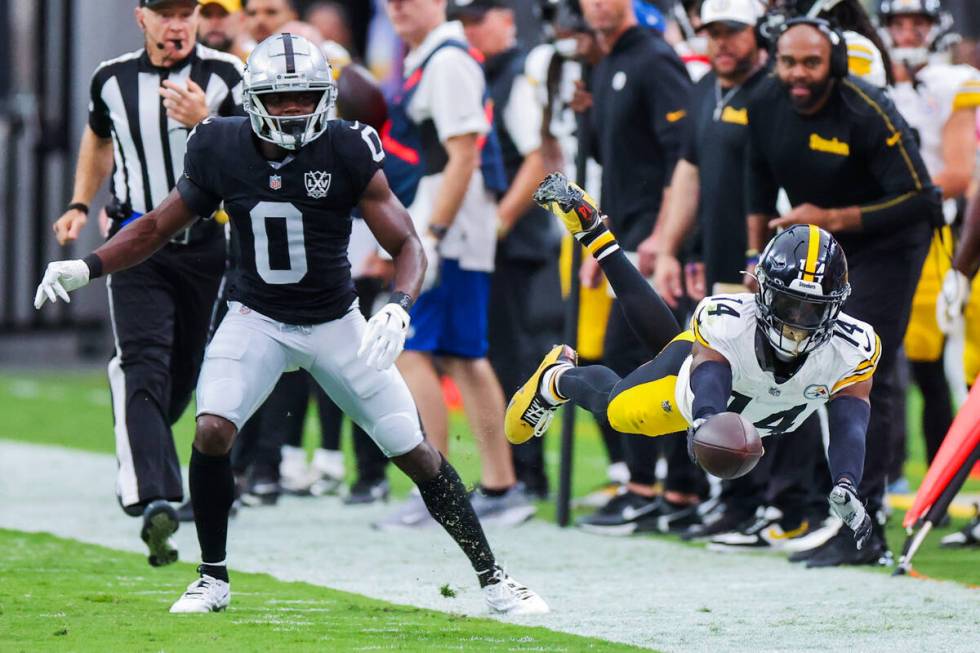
(263, 487)
(363, 492)
(969, 535)
(159, 523)
(841, 550)
(677, 517)
(623, 514)
(721, 520)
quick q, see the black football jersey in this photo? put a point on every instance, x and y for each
(290, 220)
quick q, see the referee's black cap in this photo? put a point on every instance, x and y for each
(158, 4)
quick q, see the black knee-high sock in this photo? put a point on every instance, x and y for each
(588, 387)
(647, 314)
(446, 498)
(212, 493)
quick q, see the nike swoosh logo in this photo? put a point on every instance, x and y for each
(630, 513)
(894, 138)
(674, 116)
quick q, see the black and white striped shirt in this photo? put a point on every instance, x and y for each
(148, 146)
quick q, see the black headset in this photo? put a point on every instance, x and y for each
(838, 45)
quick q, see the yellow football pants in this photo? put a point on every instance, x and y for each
(644, 402)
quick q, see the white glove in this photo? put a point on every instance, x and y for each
(845, 504)
(430, 247)
(60, 278)
(384, 337)
(952, 297)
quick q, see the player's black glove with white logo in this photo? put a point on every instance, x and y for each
(845, 504)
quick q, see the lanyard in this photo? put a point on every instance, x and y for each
(722, 100)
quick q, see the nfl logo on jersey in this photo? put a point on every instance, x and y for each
(317, 183)
(275, 182)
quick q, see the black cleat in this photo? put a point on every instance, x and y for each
(841, 550)
(159, 523)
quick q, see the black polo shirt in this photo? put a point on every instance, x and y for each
(717, 134)
(857, 150)
(640, 95)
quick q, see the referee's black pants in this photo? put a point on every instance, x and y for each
(883, 280)
(160, 312)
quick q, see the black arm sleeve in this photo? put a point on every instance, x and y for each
(849, 418)
(894, 160)
(668, 90)
(711, 383)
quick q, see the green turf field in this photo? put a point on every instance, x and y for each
(72, 409)
(59, 595)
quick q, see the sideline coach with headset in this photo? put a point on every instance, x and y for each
(849, 164)
(142, 106)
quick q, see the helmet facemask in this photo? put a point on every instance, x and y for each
(795, 323)
(289, 132)
(286, 63)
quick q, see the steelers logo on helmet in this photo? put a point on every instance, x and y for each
(286, 63)
(802, 286)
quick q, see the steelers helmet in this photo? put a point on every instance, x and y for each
(802, 276)
(941, 37)
(928, 8)
(287, 63)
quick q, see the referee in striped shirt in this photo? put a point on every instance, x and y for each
(143, 105)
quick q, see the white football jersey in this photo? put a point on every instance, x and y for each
(728, 323)
(927, 105)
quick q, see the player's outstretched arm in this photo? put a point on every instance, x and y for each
(384, 337)
(849, 411)
(132, 245)
(392, 227)
(711, 383)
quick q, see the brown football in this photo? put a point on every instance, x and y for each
(360, 98)
(727, 446)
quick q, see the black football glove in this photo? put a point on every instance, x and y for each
(844, 503)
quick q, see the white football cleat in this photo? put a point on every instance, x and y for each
(206, 594)
(508, 596)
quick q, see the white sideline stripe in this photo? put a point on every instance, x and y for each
(647, 592)
(127, 488)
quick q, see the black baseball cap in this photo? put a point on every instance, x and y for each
(156, 4)
(463, 8)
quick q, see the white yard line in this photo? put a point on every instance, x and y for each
(652, 593)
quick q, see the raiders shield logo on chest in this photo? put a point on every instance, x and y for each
(317, 183)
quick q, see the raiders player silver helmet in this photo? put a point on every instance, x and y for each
(286, 63)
